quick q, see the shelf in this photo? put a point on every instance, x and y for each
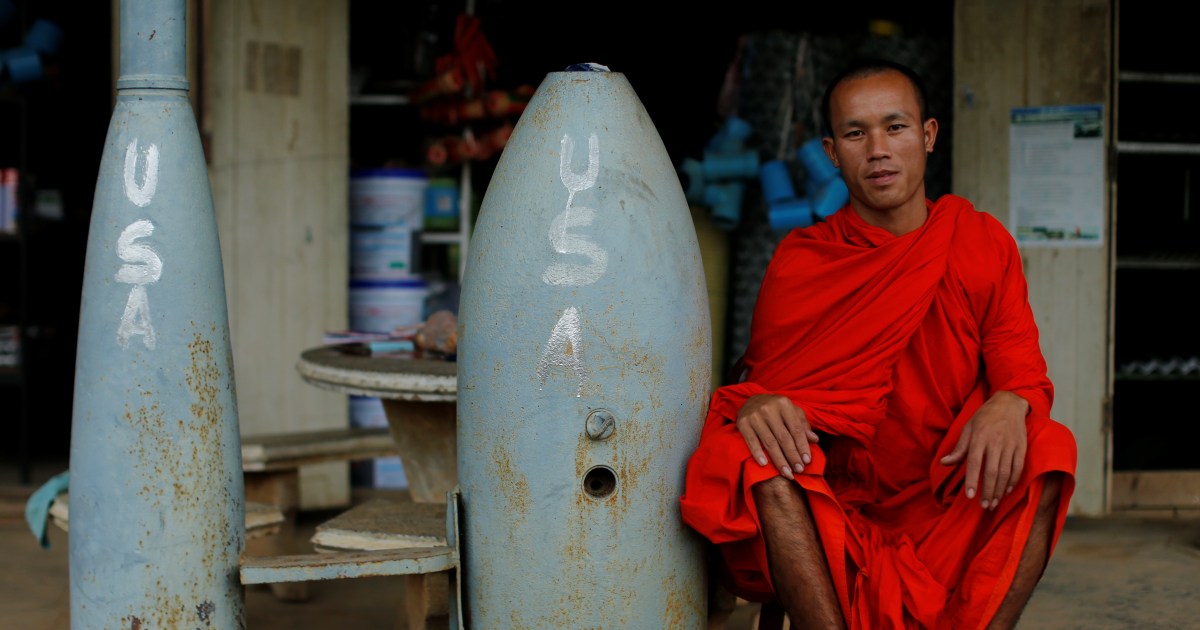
(1157, 377)
(380, 99)
(441, 237)
(1156, 369)
(1159, 148)
(1181, 262)
(1133, 76)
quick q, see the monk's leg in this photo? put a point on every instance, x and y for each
(1034, 558)
(799, 570)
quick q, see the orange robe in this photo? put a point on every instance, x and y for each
(889, 345)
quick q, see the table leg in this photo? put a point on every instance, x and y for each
(425, 435)
(426, 601)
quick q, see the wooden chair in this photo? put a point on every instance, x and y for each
(271, 466)
(393, 524)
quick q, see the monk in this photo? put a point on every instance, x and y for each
(887, 458)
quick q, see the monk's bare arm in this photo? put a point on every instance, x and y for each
(777, 432)
(993, 443)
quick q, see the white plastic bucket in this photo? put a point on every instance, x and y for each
(388, 472)
(381, 254)
(381, 306)
(388, 197)
(367, 412)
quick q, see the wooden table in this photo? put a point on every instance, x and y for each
(419, 398)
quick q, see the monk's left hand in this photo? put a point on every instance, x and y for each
(993, 442)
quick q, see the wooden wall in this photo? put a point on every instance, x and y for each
(1027, 53)
(275, 116)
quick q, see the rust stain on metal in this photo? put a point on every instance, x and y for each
(203, 378)
(647, 368)
(135, 623)
(681, 604)
(167, 433)
(582, 448)
(512, 484)
(204, 611)
(634, 464)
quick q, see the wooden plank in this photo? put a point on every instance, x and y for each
(426, 435)
(1069, 49)
(1156, 490)
(1033, 54)
(347, 564)
(261, 519)
(292, 450)
(383, 524)
(276, 108)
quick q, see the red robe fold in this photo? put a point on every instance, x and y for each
(889, 345)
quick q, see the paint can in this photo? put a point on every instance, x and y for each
(387, 197)
(382, 306)
(382, 253)
(377, 472)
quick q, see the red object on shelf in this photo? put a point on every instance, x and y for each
(445, 82)
(496, 104)
(454, 112)
(451, 150)
(465, 69)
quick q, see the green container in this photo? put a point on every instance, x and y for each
(441, 205)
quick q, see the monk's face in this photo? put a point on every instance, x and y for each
(880, 143)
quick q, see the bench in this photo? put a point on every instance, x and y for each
(392, 525)
(386, 525)
(391, 533)
(261, 520)
(382, 537)
(271, 465)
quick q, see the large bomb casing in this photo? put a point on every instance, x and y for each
(584, 372)
(156, 495)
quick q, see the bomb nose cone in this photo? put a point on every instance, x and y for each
(587, 67)
(584, 370)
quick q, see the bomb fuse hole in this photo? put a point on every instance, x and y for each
(599, 482)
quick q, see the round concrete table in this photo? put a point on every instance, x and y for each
(419, 397)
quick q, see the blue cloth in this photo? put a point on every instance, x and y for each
(37, 508)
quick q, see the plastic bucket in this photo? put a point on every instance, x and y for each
(381, 306)
(367, 412)
(381, 254)
(387, 197)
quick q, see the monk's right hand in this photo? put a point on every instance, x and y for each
(777, 431)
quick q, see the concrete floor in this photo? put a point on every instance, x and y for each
(1116, 573)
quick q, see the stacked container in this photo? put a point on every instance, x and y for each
(387, 208)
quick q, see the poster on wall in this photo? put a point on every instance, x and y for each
(1056, 175)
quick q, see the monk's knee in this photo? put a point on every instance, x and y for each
(1051, 491)
(777, 490)
(780, 498)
